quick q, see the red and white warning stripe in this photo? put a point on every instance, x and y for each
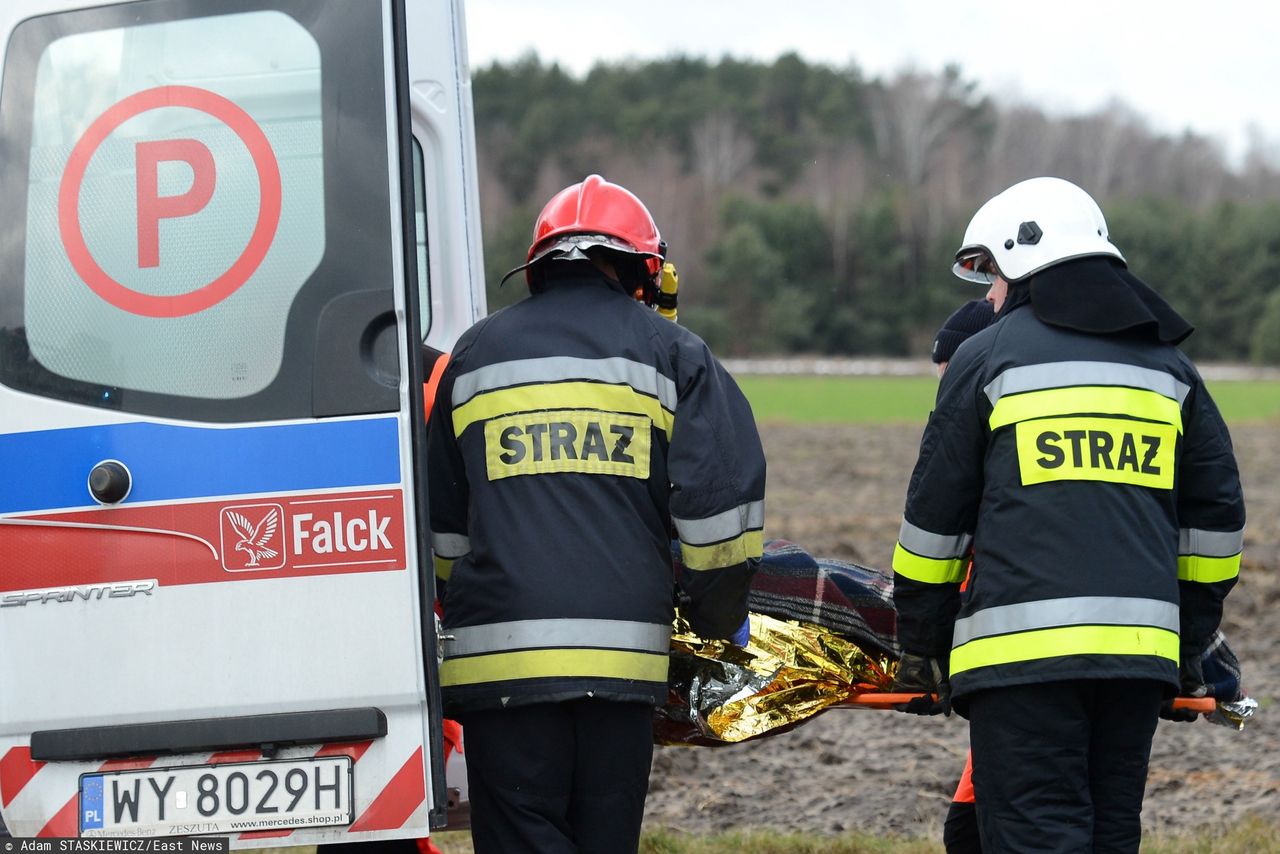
(34, 794)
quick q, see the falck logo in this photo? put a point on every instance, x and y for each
(252, 537)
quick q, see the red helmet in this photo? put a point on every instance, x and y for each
(596, 207)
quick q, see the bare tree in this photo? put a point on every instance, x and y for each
(913, 114)
(914, 117)
(721, 152)
(837, 182)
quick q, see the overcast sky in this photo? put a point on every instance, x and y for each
(1211, 67)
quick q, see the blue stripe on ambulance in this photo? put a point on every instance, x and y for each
(49, 469)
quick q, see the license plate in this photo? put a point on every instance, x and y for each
(227, 798)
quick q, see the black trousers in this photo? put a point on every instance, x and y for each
(1061, 766)
(960, 834)
(386, 846)
(558, 778)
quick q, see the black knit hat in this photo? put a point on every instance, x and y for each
(969, 319)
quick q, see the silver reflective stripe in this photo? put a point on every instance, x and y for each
(1066, 374)
(1073, 611)
(543, 634)
(449, 546)
(928, 544)
(1193, 541)
(722, 526)
(641, 377)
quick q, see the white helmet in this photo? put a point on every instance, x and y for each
(1030, 226)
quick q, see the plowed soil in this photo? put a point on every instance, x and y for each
(838, 491)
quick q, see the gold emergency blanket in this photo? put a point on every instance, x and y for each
(788, 672)
(1233, 713)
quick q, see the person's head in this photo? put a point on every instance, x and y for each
(966, 321)
(997, 294)
(1031, 226)
(601, 223)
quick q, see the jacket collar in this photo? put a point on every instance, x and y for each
(1099, 296)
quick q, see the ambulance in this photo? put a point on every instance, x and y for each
(227, 230)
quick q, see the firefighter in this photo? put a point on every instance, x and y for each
(1079, 453)
(960, 830)
(966, 321)
(571, 431)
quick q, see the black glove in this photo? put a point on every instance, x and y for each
(919, 674)
(1191, 676)
(1182, 716)
(1191, 684)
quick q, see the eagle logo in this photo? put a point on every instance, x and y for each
(255, 541)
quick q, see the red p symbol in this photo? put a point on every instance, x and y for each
(153, 207)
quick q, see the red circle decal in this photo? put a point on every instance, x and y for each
(264, 230)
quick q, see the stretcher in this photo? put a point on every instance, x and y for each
(879, 700)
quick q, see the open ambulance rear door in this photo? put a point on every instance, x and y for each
(215, 597)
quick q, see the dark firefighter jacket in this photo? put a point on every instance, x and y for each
(1094, 480)
(570, 431)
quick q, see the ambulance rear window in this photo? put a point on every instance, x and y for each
(197, 194)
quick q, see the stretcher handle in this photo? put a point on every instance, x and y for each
(875, 700)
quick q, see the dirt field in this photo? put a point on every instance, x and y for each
(839, 491)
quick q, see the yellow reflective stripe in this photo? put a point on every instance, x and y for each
(566, 395)
(548, 663)
(444, 567)
(1134, 402)
(930, 570)
(1065, 640)
(728, 553)
(1207, 570)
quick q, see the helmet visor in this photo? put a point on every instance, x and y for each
(573, 245)
(975, 265)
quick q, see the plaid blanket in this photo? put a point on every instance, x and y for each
(855, 601)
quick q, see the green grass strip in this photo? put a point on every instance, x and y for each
(801, 399)
(840, 400)
(1247, 401)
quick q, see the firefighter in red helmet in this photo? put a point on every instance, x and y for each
(573, 431)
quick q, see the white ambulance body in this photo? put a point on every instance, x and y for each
(215, 597)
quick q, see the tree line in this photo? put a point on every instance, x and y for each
(814, 209)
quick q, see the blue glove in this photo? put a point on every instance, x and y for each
(1221, 671)
(1223, 684)
(743, 635)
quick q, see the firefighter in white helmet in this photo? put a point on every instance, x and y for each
(571, 432)
(1076, 450)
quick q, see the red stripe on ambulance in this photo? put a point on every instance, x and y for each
(64, 823)
(199, 543)
(394, 804)
(265, 834)
(225, 756)
(16, 770)
(354, 749)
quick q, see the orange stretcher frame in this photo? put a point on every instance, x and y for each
(870, 700)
